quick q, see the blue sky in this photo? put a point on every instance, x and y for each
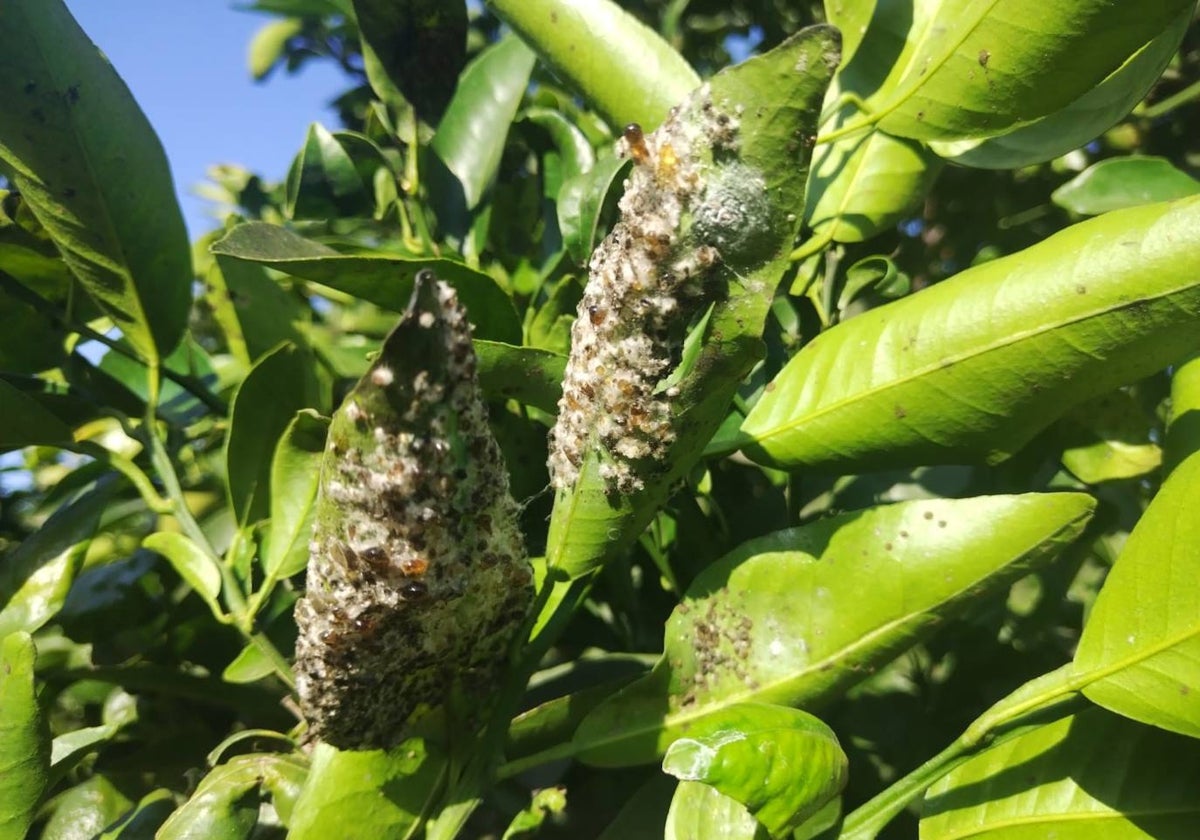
(185, 61)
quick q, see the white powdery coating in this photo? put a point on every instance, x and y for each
(637, 300)
(417, 574)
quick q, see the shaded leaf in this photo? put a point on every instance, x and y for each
(70, 748)
(26, 422)
(784, 765)
(144, 819)
(1093, 774)
(1122, 182)
(623, 69)
(226, 803)
(383, 279)
(581, 202)
(295, 474)
(420, 44)
(1108, 439)
(387, 792)
(24, 740)
(644, 813)
(73, 137)
(522, 373)
(324, 182)
(975, 366)
(1139, 654)
(798, 616)
(470, 138)
(546, 802)
(36, 576)
(266, 402)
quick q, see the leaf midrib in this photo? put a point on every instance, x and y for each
(950, 361)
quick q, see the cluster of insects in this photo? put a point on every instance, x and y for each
(637, 302)
(413, 516)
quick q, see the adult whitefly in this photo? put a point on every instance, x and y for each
(417, 577)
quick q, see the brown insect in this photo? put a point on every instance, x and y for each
(636, 140)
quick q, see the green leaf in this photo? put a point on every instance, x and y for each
(1108, 439)
(863, 185)
(266, 402)
(76, 143)
(26, 422)
(226, 803)
(577, 153)
(36, 577)
(581, 202)
(644, 812)
(470, 138)
(977, 365)
(527, 374)
(323, 181)
(550, 328)
(387, 792)
(84, 810)
(420, 44)
(798, 616)
(144, 819)
(1074, 125)
(295, 474)
(1090, 775)
(1122, 182)
(381, 278)
(528, 822)
(268, 43)
(201, 571)
(700, 812)
(784, 765)
(68, 749)
(620, 67)
(24, 740)
(981, 68)
(1139, 654)
(255, 312)
(248, 666)
(876, 273)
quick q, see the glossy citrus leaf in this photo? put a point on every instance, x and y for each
(85, 809)
(387, 792)
(470, 138)
(577, 153)
(77, 144)
(623, 69)
(974, 367)
(266, 402)
(527, 374)
(980, 67)
(864, 183)
(1140, 650)
(1109, 438)
(381, 278)
(1124, 182)
(420, 44)
(24, 740)
(798, 616)
(581, 202)
(36, 576)
(226, 802)
(144, 819)
(1091, 775)
(701, 812)
(1075, 124)
(783, 764)
(323, 180)
(191, 563)
(295, 474)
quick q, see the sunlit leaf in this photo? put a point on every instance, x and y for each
(1124, 182)
(24, 740)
